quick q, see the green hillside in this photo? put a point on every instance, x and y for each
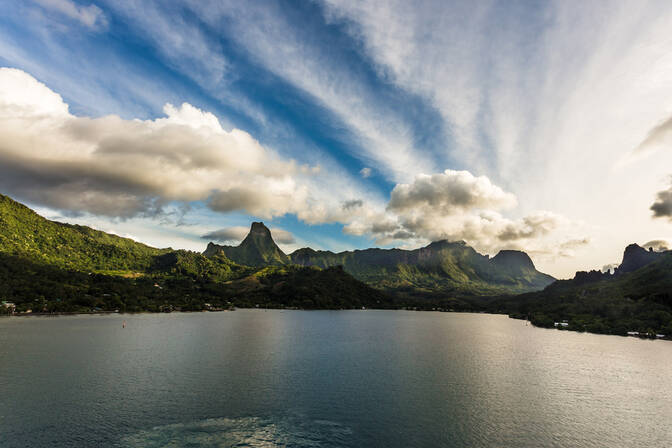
(25, 233)
(306, 288)
(637, 297)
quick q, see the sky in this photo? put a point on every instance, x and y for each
(544, 126)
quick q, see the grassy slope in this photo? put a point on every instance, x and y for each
(25, 233)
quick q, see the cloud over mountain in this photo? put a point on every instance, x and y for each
(123, 168)
(456, 205)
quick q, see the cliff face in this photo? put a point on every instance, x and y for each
(635, 257)
(441, 266)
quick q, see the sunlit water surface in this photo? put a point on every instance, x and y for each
(327, 379)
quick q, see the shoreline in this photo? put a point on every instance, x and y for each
(90, 313)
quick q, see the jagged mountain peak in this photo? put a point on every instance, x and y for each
(257, 249)
(260, 229)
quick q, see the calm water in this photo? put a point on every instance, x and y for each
(329, 379)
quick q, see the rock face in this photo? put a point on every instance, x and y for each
(513, 261)
(636, 257)
(257, 249)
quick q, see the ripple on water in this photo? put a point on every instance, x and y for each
(254, 432)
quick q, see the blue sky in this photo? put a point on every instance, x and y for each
(506, 124)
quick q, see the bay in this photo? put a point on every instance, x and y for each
(327, 378)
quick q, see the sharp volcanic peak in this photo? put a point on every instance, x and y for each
(257, 249)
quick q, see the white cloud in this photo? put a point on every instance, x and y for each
(456, 205)
(91, 16)
(448, 192)
(117, 167)
(123, 168)
(365, 172)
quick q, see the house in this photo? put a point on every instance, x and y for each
(561, 324)
(10, 307)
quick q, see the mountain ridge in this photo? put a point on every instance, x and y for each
(441, 265)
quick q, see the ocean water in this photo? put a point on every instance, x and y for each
(255, 378)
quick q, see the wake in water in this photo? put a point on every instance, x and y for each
(243, 432)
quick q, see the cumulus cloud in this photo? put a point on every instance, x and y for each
(449, 192)
(122, 168)
(662, 207)
(236, 234)
(91, 16)
(534, 225)
(456, 205)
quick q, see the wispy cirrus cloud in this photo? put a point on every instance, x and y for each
(90, 16)
(383, 137)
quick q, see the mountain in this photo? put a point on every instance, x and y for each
(47, 266)
(635, 257)
(442, 266)
(257, 249)
(637, 297)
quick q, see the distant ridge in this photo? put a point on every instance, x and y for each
(440, 266)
